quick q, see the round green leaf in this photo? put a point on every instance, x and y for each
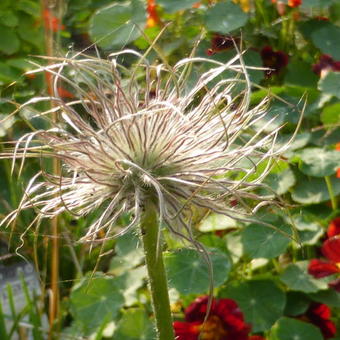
(172, 6)
(327, 39)
(261, 302)
(311, 190)
(225, 17)
(330, 115)
(281, 182)
(95, 300)
(216, 222)
(129, 254)
(134, 325)
(9, 42)
(330, 84)
(261, 241)
(116, 25)
(188, 272)
(319, 162)
(292, 329)
(310, 231)
(296, 277)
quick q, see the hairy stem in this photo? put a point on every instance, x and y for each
(157, 277)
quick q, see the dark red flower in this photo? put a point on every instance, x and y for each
(320, 268)
(256, 337)
(326, 63)
(220, 42)
(331, 250)
(274, 60)
(319, 315)
(225, 321)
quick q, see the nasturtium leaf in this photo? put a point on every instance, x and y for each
(225, 17)
(311, 190)
(28, 31)
(330, 115)
(234, 245)
(134, 325)
(296, 277)
(330, 84)
(188, 271)
(129, 254)
(30, 7)
(327, 39)
(315, 4)
(319, 162)
(95, 300)
(309, 230)
(8, 18)
(130, 282)
(117, 25)
(299, 73)
(216, 222)
(297, 303)
(9, 42)
(280, 182)
(172, 6)
(261, 302)
(262, 241)
(329, 297)
(292, 329)
(7, 74)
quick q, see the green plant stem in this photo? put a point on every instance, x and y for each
(331, 193)
(157, 277)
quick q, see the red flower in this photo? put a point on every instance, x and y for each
(319, 315)
(220, 42)
(153, 18)
(334, 227)
(294, 3)
(320, 268)
(225, 321)
(326, 63)
(275, 60)
(337, 147)
(52, 23)
(331, 250)
(256, 337)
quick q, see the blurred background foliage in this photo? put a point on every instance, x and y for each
(103, 292)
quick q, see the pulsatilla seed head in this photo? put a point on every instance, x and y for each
(175, 136)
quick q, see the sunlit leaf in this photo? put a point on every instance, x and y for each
(117, 25)
(225, 17)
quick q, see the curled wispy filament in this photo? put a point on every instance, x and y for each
(168, 135)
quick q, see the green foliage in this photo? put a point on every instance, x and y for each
(261, 301)
(287, 329)
(188, 271)
(95, 301)
(117, 25)
(225, 17)
(296, 278)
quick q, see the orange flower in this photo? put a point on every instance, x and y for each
(52, 23)
(294, 3)
(153, 18)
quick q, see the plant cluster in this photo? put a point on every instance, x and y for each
(275, 266)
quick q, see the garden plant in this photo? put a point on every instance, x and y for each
(170, 169)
